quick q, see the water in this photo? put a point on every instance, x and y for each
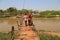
(48, 24)
(6, 24)
(41, 24)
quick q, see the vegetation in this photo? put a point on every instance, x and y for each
(12, 11)
(7, 36)
(44, 37)
(50, 14)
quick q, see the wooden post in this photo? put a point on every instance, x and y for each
(12, 33)
(18, 25)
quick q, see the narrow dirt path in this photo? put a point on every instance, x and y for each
(26, 33)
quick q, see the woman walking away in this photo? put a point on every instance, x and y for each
(29, 19)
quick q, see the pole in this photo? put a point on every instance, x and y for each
(12, 33)
(24, 4)
(18, 25)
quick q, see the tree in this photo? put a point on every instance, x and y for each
(24, 11)
(1, 12)
(12, 11)
(36, 11)
(30, 11)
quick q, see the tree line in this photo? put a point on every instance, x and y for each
(12, 11)
(50, 14)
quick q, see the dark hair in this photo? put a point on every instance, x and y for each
(25, 13)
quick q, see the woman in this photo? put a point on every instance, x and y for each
(25, 18)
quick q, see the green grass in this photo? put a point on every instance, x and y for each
(44, 37)
(7, 36)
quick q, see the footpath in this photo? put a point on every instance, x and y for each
(27, 33)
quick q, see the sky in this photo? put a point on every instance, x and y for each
(31, 4)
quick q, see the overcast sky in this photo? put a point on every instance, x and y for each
(31, 4)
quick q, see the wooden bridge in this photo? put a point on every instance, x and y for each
(27, 33)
